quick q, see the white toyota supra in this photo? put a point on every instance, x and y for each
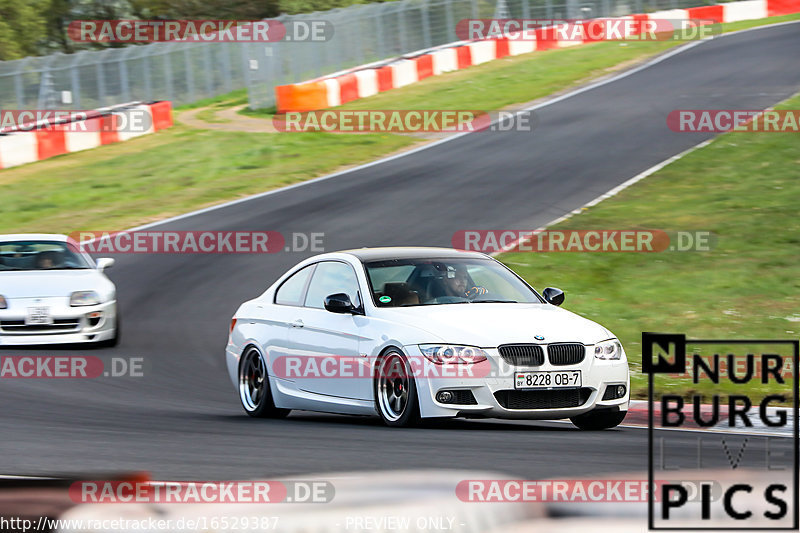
(53, 293)
(410, 333)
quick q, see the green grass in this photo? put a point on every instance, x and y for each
(168, 173)
(180, 169)
(743, 188)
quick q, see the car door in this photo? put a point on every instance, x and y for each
(326, 344)
(276, 323)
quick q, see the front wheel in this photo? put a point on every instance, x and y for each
(395, 391)
(254, 391)
(599, 419)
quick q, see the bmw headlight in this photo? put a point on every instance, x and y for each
(452, 354)
(610, 349)
(84, 298)
(3, 302)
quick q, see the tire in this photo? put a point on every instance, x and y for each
(599, 419)
(396, 391)
(255, 394)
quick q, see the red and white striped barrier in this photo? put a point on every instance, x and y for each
(99, 128)
(366, 81)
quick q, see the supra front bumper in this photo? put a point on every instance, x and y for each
(71, 325)
(491, 386)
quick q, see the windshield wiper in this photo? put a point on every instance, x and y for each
(495, 301)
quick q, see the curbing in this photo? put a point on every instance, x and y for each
(49, 140)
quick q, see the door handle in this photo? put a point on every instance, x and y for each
(297, 323)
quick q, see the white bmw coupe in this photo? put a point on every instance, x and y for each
(412, 333)
(53, 293)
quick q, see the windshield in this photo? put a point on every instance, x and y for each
(40, 255)
(407, 282)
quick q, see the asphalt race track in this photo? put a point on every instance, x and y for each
(183, 421)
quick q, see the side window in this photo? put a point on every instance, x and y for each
(331, 278)
(291, 291)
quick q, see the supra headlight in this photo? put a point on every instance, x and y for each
(84, 298)
(449, 354)
(611, 349)
(3, 302)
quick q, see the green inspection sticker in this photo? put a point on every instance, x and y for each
(385, 299)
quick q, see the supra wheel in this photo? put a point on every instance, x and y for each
(599, 419)
(395, 391)
(254, 391)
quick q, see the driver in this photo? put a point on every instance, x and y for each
(46, 260)
(456, 282)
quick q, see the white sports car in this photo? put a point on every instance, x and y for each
(53, 293)
(412, 333)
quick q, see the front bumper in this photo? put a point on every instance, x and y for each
(71, 325)
(597, 375)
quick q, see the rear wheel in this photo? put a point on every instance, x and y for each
(254, 390)
(395, 391)
(599, 419)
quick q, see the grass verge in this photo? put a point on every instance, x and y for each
(743, 187)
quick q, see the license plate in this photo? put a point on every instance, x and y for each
(38, 316)
(565, 379)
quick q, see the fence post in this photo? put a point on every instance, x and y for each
(358, 23)
(189, 73)
(227, 74)
(401, 33)
(526, 9)
(451, 24)
(123, 80)
(168, 75)
(426, 25)
(209, 70)
(148, 81)
(101, 85)
(474, 9)
(248, 76)
(19, 90)
(75, 85)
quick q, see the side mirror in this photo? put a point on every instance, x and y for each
(339, 303)
(104, 263)
(553, 295)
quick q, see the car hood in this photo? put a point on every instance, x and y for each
(490, 325)
(53, 283)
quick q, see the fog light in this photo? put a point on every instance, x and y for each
(94, 318)
(444, 397)
(620, 391)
